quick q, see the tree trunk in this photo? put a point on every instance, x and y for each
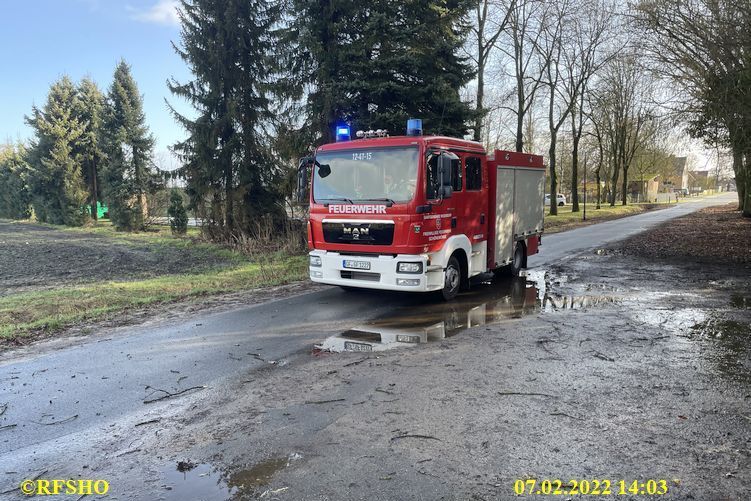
(553, 176)
(597, 178)
(624, 186)
(479, 112)
(614, 184)
(575, 174)
(746, 170)
(740, 178)
(138, 168)
(520, 118)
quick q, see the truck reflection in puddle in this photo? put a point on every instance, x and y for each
(489, 302)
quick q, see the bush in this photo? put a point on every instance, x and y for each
(177, 214)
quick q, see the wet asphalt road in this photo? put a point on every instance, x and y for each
(105, 378)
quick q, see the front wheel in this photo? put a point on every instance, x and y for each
(452, 280)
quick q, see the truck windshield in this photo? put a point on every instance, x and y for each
(372, 174)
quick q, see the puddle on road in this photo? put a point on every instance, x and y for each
(424, 320)
(201, 482)
(258, 475)
(206, 482)
(740, 301)
(724, 344)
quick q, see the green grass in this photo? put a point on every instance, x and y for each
(566, 220)
(155, 237)
(46, 311)
(50, 310)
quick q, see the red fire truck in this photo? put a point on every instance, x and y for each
(419, 213)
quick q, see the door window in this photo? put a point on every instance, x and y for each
(473, 166)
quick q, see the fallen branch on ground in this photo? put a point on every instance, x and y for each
(142, 423)
(168, 394)
(128, 452)
(425, 437)
(356, 362)
(66, 420)
(316, 402)
(602, 356)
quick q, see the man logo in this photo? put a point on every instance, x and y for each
(356, 232)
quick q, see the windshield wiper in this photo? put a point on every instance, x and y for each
(336, 200)
(388, 201)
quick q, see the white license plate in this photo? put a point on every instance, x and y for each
(356, 265)
(350, 346)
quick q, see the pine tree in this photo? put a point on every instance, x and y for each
(230, 171)
(177, 214)
(375, 64)
(128, 145)
(56, 183)
(89, 112)
(15, 200)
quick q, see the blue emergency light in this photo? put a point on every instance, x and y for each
(343, 133)
(414, 127)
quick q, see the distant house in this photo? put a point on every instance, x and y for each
(699, 181)
(677, 178)
(644, 189)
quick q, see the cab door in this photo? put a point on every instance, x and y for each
(441, 222)
(475, 196)
(469, 197)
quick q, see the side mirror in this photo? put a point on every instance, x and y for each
(303, 179)
(444, 174)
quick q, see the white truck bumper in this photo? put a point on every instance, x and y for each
(376, 272)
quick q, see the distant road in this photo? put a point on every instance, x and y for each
(567, 243)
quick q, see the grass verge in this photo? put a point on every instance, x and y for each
(49, 310)
(567, 220)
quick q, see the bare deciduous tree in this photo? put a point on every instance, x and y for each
(491, 20)
(525, 27)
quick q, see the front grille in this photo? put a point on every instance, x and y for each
(361, 275)
(359, 233)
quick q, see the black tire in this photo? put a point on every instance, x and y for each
(517, 262)
(452, 279)
(561, 204)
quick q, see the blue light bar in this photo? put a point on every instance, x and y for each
(414, 127)
(343, 133)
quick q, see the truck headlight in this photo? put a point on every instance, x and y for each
(409, 268)
(315, 260)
